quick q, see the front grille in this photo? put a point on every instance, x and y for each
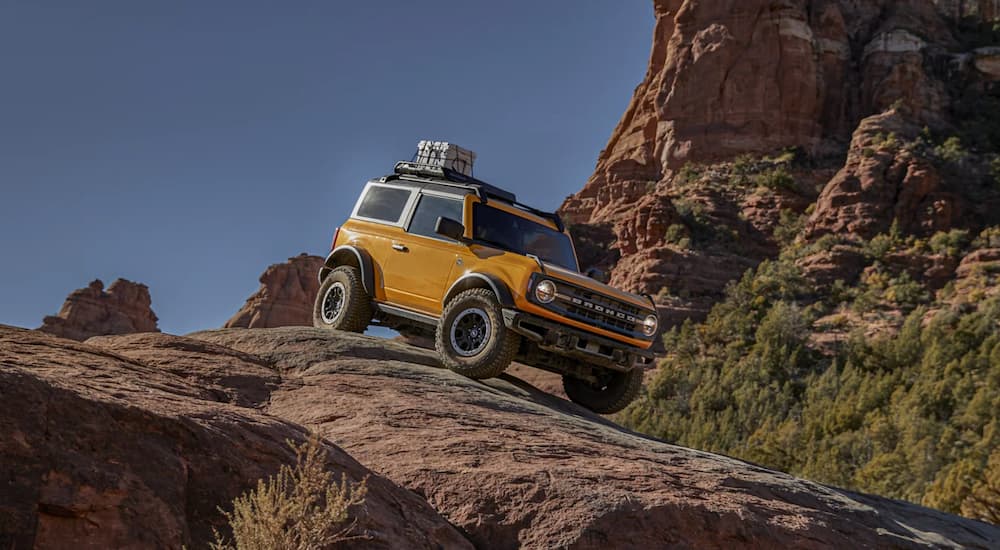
(598, 310)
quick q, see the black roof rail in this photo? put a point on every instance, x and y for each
(483, 190)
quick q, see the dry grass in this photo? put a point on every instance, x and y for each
(301, 508)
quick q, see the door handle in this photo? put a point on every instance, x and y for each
(399, 247)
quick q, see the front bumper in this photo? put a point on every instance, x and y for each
(570, 342)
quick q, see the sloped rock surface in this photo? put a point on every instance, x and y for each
(124, 308)
(514, 467)
(135, 444)
(285, 297)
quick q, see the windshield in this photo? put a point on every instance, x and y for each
(521, 235)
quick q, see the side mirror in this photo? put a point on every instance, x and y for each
(597, 275)
(447, 227)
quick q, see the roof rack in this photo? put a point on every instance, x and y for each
(482, 189)
(440, 172)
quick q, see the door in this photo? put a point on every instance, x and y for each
(420, 266)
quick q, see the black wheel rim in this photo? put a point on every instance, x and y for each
(470, 332)
(333, 302)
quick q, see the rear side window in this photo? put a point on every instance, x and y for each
(383, 203)
(429, 209)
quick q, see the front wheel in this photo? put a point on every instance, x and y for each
(471, 337)
(342, 303)
(612, 393)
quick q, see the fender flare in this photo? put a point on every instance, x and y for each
(481, 280)
(350, 255)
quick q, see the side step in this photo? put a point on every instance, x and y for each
(406, 314)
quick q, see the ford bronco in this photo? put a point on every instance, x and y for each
(429, 250)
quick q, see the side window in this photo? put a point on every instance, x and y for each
(384, 203)
(429, 209)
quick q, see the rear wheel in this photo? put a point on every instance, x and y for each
(342, 303)
(612, 393)
(471, 337)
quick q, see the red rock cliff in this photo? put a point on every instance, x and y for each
(746, 79)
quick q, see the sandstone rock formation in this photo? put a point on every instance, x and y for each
(731, 83)
(135, 444)
(123, 309)
(285, 297)
(133, 441)
(879, 185)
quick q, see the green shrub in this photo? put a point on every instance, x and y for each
(906, 293)
(988, 238)
(675, 233)
(689, 173)
(790, 225)
(995, 169)
(952, 150)
(300, 507)
(887, 142)
(776, 179)
(950, 243)
(879, 246)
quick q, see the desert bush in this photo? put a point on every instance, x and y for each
(301, 508)
(950, 243)
(675, 234)
(906, 293)
(743, 167)
(988, 238)
(776, 179)
(689, 173)
(879, 246)
(885, 141)
(952, 150)
(789, 226)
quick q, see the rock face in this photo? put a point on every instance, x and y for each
(285, 297)
(880, 185)
(134, 441)
(734, 80)
(123, 309)
(737, 76)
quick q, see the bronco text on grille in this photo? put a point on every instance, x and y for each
(583, 305)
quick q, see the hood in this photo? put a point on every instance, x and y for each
(580, 279)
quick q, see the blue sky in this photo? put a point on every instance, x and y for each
(189, 144)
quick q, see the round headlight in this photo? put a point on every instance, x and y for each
(545, 291)
(649, 325)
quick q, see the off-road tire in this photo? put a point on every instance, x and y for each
(356, 309)
(621, 389)
(499, 348)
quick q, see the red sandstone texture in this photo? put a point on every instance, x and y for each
(730, 80)
(285, 297)
(123, 309)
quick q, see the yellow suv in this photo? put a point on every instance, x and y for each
(431, 251)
